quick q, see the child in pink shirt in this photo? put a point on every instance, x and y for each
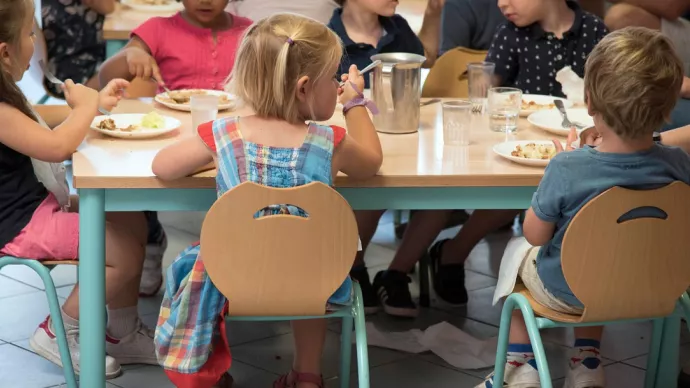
(194, 49)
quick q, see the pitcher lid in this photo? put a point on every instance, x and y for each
(399, 58)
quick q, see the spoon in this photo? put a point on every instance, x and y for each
(169, 92)
(52, 78)
(366, 69)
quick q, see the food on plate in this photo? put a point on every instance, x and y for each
(534, 151)
(152, 2)
(185, 96)
(153, 120)
(533, 105)
(107, 124)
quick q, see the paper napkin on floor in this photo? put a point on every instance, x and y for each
(453, 345)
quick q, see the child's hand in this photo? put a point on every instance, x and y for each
(142, 65)
(112, 93)
(434, 7)
(590, 137)
(78, 95)
(572, 136)
(347, 92)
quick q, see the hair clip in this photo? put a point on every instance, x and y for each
(290, 41)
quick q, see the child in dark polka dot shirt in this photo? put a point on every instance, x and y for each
(540, 38)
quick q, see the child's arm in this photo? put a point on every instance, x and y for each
(430, 33)
(104, 7)
(547, 204)
(181, 159)
(134, 60)
(359, 154)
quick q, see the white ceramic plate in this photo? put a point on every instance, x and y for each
(169, 6)
(550, 120)
(504, 150)
(125, 120)
(164, 100)
(543, 103)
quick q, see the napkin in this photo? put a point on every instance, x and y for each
(572, 85)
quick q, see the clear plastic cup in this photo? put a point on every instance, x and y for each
(504, 109)
(204, 108)
(479, 78)
(456, 122)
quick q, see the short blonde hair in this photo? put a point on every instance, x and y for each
(275, 52)
(633, 79)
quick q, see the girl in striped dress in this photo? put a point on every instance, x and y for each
(285, 72)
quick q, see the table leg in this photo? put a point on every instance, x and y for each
(667, 370)
(92, 287)
(113, 46)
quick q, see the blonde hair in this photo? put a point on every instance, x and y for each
(633, 79)
(275, 52)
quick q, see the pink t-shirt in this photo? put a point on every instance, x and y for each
(187, 55)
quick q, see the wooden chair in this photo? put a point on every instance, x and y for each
(43, 268)
(285, 267)
(621, 269)
(448, 77)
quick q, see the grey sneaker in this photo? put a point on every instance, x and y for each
(134, 348)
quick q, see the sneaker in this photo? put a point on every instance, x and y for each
(134, 348)
(516, 375)
(448, 279)
(361, 276)
(394, 293)
(45, 344)
(152, 274)
(580, 376)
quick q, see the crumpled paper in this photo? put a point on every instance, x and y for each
(453, 345)
(572, 85)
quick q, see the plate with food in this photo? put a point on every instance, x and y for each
(551, 120)
(527, 152)
(153, 5)
(134, 125)
(536, 102)
(180, 99)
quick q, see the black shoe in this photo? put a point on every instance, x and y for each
(448, 279)
(370, 301)
(683, 379)
(394, 293)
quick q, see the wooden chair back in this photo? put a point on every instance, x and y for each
(281, 265)
(622, 268)
(448, 77)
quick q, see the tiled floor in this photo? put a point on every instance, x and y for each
(263, 350)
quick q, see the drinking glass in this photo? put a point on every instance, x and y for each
(456, 122)
(204, 108)
(504, 109)
(479, 75)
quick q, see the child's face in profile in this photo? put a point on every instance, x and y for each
(521, 12)
(16, 58)
(205, 12)
(380, 7)
(325, 95)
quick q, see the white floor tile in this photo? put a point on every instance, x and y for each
(24, 369)
(624, 376)
(62, 275)
(11, 287)
(415, 372)
(20, 315)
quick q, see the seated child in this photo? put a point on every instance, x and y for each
(285, 71)
(34, 222)
(368, 28)
(632, 80)
(194, 49)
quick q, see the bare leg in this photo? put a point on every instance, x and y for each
(421, 231)
(478, 226)
(518, 329)
(623, 15)
(367, 222)
(310, 336)
(590, 332)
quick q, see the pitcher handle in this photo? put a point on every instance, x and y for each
(386, 78)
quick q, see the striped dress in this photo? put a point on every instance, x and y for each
(190, 340)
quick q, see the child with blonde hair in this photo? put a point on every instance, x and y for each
(34, 201)
(285, 72)
(632, 80)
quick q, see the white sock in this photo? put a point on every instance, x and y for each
(122, 322)
(67, 321)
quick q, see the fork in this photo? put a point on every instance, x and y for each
(52, 78)
(566, 122)
(365, 70)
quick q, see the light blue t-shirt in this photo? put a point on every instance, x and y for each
(574, 178)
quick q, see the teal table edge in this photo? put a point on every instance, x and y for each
(113, 46)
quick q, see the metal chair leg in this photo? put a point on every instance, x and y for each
(361, 339)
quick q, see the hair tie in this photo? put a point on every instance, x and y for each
(290, 41)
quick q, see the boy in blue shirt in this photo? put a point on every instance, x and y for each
(632, 81)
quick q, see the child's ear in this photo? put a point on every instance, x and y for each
(5, 56)
(302, 89)
(590, 111)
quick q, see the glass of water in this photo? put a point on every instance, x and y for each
(456, 122)
(479, 78)
(504, 109)
(204, 108)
